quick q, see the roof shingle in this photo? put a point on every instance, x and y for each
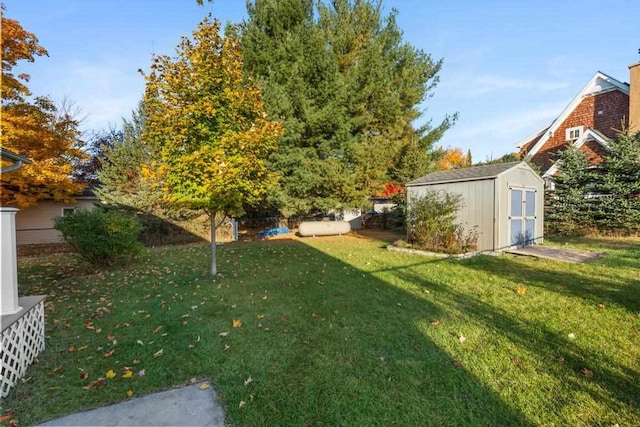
(466, 174)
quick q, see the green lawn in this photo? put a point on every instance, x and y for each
(339, 331)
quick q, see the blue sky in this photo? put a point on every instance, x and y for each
(510, 67)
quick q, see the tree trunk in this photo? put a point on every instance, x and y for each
(214, 264)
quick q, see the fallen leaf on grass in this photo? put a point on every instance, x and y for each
(111, 337)
(436, 323)
(314, 315)
(141, 373)
(127, 374)
(89, 324)
(284, 318)
(462, 338)
(457, 364)
(58, 369)
(109, 353)
(572, 336)
(129, 393)
(237, 323)
(248, 381)
(7, 416)
(84, 375)
(223, 334)
(241, 404)
(110, 374)
(335, 312)
(139, 342)
(601, 306)
(99, 383)
(72, 348)
(587, 373)
(158, 353)
(416, 347)
(204, 386)
(226, 347)
(521, 290)
(560, 359)
(285, 330)
(517, 361)
(155, 331)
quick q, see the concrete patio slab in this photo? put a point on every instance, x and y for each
(556, 253)
(186, 406)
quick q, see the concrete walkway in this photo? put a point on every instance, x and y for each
(556, 253)
(186, 406)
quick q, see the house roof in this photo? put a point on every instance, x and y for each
(13, 157)
(466, 174)
(599, 83)
(590, 134)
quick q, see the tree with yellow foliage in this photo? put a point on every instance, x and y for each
(453, 158)
(207, 125)
(37, 129)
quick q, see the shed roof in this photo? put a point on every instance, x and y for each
(466, 174)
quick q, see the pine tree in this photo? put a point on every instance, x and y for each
(346, 88)
(618, 180)
(567, 210)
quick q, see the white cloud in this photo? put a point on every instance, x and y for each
(473, 86)
(498, 135)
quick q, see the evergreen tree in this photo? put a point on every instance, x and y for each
(566, 207)
(618, 181)
(346, 88)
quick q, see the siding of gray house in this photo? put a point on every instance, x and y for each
(34, 225)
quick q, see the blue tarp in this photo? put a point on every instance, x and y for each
(273, 232)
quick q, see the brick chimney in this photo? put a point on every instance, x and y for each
(634, 98)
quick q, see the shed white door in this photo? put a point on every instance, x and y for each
(522, 218)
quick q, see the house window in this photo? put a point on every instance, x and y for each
(68, 211)
(573, 133)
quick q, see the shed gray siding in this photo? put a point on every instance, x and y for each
(477, 206)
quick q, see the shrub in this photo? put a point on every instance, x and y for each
(431, 224)
(101, 237)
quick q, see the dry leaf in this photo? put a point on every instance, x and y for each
(226, 347)
(141, 373)
(457, 364)
(109, 354)
(158, 353)
(72, 348)
(89, 324)
(136, 362)
(314, 315)
(111, 337)
(223, 334)
(7, 416)
(416, 347)
(335, 312)
(155, 331)
(601, 306)
(110, 374)
(99, 383)
(560, 359)
(58, 369)
(241, 404)
(248, 381)
(285, 330)
(237, 323)
(572, 336)
(435, 323)
(84, 375)
(129, 393)
(127, 374)
(521, 290)
(462, 338)
(284, 318)
(204, 386)
(139, 342)
(517, 361)
(588, 373)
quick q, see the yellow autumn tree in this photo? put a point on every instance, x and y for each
(37, 129)
(206, 123)
(454, 158)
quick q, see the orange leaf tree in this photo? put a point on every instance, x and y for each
(37, 129)
(207, 124)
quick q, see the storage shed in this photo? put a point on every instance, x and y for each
(504, 202)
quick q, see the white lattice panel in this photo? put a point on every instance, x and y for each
(21, 344)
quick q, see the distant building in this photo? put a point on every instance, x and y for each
(603, 107)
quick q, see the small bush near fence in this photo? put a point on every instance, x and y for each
(101, 237)
(431, 224)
